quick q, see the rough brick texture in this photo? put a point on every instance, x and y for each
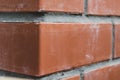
(19, 5)
(104, 73)
(104, 7)
(72, 42)
(75, 6)
(37, 49)
(117, 40)
(19, 47)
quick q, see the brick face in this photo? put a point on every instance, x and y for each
(104, 73)
(104, 7)
(69, 45)
(19, 47)
(117, 40)
(40, 49)
(109, 7)
(76, 6)
(19, 5)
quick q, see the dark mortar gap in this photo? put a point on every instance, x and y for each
(107, 15)
(20, 17)
(113, 40)
(81, 74)
(85, 7)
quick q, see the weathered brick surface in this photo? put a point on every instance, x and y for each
(76, 6)
(40, 49)
(67, 45)
(104, 73)
(117, 40)
(19, 5)
(19, 47)
(104, 7)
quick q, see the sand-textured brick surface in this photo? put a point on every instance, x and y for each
(104, 7)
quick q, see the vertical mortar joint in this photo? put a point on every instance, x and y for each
(113, 40)
(82, 74)
(85, 7)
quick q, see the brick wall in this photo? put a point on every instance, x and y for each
(59, 40)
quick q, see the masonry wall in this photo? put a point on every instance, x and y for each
(59, 40)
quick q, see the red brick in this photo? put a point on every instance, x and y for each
(64, 46)
(104, 7)
(117, 40)
(19, 5)
(76, 6)
(40, 49)
(76, 77)
(19, 47)
(104, 73)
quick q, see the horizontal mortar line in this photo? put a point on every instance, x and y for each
(101, 65)
(66, 17)
(20, 17)
(53, 17)
(75, 19)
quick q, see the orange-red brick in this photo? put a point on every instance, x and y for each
(40, 49)
(75, 6)
(75, 77)
(19, 5)
(67, 45)
(104, 73)
(104, 7)
(117, 40)
(19, 47)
